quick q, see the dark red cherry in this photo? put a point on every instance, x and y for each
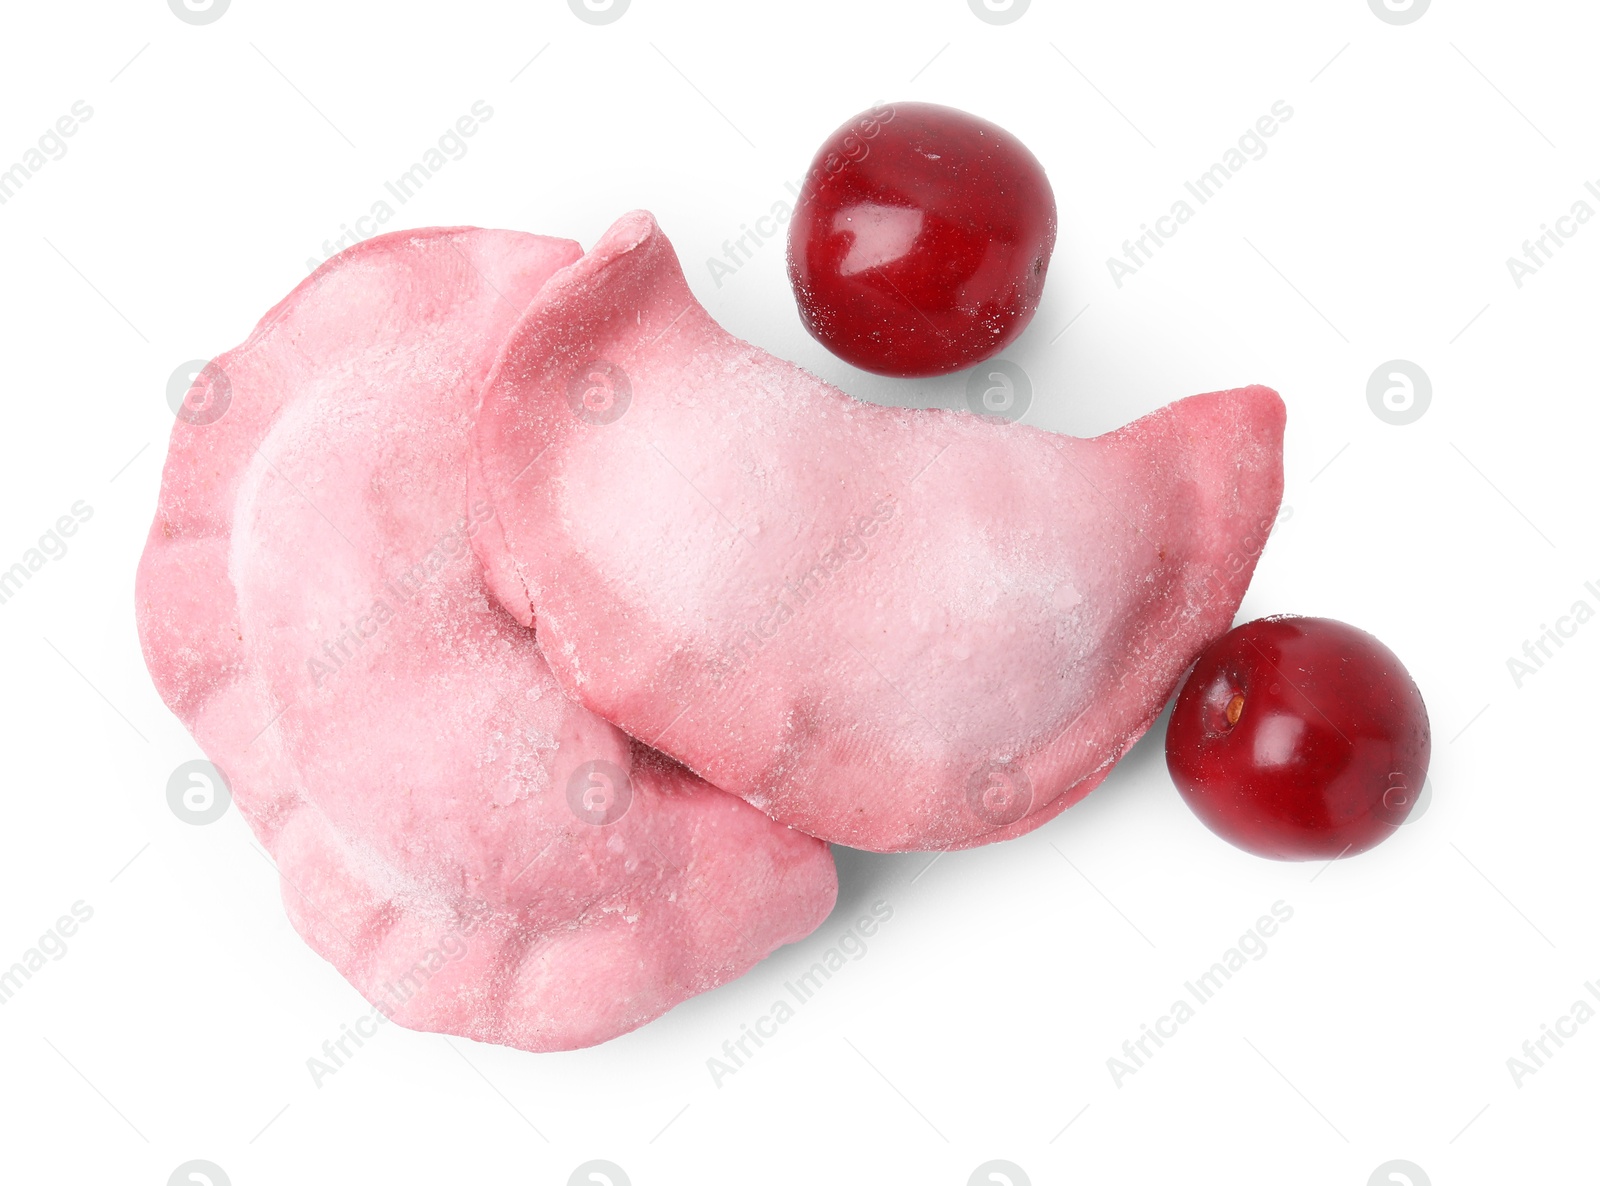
(1299, 739)
(920, 240)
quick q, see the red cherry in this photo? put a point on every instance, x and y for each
(920, 240)
(1299, 739)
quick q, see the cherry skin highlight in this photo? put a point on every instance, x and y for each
(920, 240)
(1299, 739)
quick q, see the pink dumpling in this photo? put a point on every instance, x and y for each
(311, 607)
(890, 628)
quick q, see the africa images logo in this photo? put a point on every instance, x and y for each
(1398, 12)
(598, 12)
(1399, 392)
(998, 12)
(198, 12)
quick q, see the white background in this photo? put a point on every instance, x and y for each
(978, 1025)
